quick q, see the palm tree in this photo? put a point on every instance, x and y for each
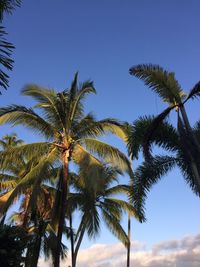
(36, 204)
(70, 135)
(9, 141)
(150, 172)
(167, 87)
(35, 218)
(6, 48)
(95, 198)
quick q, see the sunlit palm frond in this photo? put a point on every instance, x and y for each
(120, 188)
(28, 151)
(115, 127)
(20, 115)
(76, 104)
(160, 81)
(50, 103)
(109, 153)
(34, 176)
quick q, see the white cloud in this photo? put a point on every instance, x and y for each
(171, 253)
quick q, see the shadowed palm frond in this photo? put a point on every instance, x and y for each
(92, 222)
(6, 61)
(114, 226)
(151, 131)
(160, 81)
(194, 93)
(8, 6)
(165, 136)
(146, 176)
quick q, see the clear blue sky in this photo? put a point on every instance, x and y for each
(102, 40)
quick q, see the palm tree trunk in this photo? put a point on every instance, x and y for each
(71, 239)
(194, 167)
(63, 207)
(129, 239)
(78, 245)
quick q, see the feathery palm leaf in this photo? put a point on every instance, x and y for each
(160, 81)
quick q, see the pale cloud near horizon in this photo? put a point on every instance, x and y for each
(171, 253)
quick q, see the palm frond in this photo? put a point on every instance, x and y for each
(160, 81)
(8, 6)
(152, 130)
(109, 153)
(34, 176)
(85, 88)
(28, 150)
(6, 61)
(50, 103)
(165, 136)
(92, 222)
(115, 227)
(146, 175)
(194, 93)
(120, 188)
(115, 127)
(16, 115)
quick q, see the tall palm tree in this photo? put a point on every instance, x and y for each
(95, 198)
(150, 172)
(6, 48)
(70, 135)
(167, 87)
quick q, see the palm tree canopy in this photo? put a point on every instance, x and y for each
(97, 198)
(64, 123)
(151, 171)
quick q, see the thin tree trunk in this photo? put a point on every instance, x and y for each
(63, 208)
(129, 239)
(188, 127)
(78, 245)
(71, 240)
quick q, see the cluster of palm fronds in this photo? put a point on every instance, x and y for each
(50, 192)
(182, 143)
(39, 176)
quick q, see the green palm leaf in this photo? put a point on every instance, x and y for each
(115, 227)
(160, 81)
(109, 153)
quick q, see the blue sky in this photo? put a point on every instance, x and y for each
(102, 40)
